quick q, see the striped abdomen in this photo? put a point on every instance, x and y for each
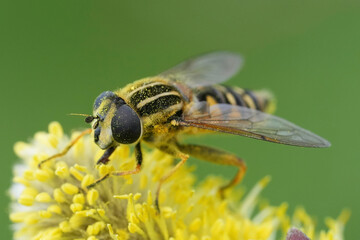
(260, 100)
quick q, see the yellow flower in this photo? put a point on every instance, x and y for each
(54, 203)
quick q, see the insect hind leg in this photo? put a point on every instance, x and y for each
(219, 157)
(67, 148)
(173, 150)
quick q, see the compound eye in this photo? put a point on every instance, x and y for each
(126, 125)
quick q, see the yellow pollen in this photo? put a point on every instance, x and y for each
(43, 175)
(101, 212)
(137, 196)
(18, 216)
(75, 207)
(75, 173)
(217, 228)
(87, 180)
(62, 169)
(53, 141)
(21, 147)
(133, 228)
(195, 225)
(99, 226)
(86, 213)
(29, 175)
(79, 198)
(125, 196)
(56, 129)
(55, 203)
(105, 169)
(43, 197)
(92, 196)
(76, 221)
(179, 234)
(54, 209)
(27, 197)
(122, 234)
(80, 168)
(22, 181)
(69, 188)
(133, 218)
(167, 212)
(59, 196)
(37, 158)
(31, 219)
(65, 226)
(45, 214)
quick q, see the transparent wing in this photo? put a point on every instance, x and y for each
(204, 70)
(250, 123)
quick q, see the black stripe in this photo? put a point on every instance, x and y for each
(222, 90)
(159, 104)
(237, 96)
(212, 92)
(149, 92)
(253, 97)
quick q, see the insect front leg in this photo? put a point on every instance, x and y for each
(219, 157)
(105, 159)
(67, 148)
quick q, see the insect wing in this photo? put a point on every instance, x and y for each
(250, 123)
(204, 70)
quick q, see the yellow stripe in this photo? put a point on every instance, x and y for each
(239, 90)
(210, 100)
(148, 100)
(144, 86)
(249, 101)
(230, 98)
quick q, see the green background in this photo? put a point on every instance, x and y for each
(57, 56)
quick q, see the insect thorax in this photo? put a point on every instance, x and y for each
(155, 100)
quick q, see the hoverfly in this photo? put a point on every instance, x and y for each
(187, 99)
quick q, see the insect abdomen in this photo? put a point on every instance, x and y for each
(261, 100)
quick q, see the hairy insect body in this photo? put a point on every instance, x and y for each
(157, 100)
(187, 99)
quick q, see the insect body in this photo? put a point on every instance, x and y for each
(188, 100)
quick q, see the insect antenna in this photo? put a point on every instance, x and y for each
(88, 119)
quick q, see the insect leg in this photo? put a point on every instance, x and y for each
(104, 159)
(218, 157)
(67, 148)
(138, 155)
(178, 154)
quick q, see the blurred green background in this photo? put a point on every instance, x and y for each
(57, 56)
